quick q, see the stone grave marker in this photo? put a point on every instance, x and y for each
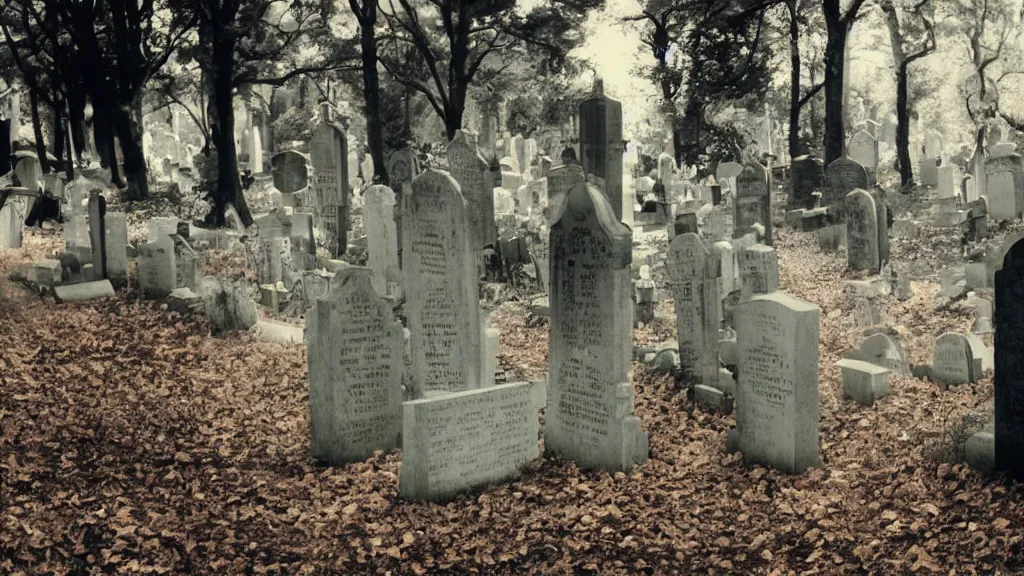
(290, 171)
(759, 273)
(808, 177)
(953, 361)
(694, 271)
(882, 350)
(949, 181)
(115, 242)
(666, 169)
(157, 268)
(728, 172)
(561, 179)
(97, 234)
(328, 150)
(590, 398)
(842, 176)
(355, 371)
(402, 168)
(1004, 176)
(862, 232)
(863, 149)
(464, 440)
(601, 144)
(471, 171)
(753, 202)
(777, 391)
(382, 240)
(440, 286)
(1009, 362)
(303, 241)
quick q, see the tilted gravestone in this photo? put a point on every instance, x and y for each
(440, 286)
(1004, 177)
(753, 202)
(777, 391)
(328, 150)
(842, 176)
(1009, 362)
(97, 234)
(862, 232)
(601, 144)
(589, 416)
(881, 350)
(471, 171)
(355, 371)
(382, 240)
(808, 177)
(953, 361)
(694, 271)
(461, 441)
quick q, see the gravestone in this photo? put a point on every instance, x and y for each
(759, 273)
(290, 171)
(402, 168)
(519, 153)
(693, 272)
(303, 241)
(928, 171)
(328, 149)
(949, 181)
(97, 234)
(881, 350)
(666, 169)
(953, 361)
(382, 240)
(684, 223)
(590, 399)
(863, 149)
(1009, 362)
(440, 287)
(355, 371)
(808, 177)
(465, 440)
(561, 179)
(157, 268)
(842, 176)
(1004, 178)
(862, 224)
(753, 202)
(186, 264)
(777, 391)
(475, 179)
(115, 242)
(728, 172)
(601, 144)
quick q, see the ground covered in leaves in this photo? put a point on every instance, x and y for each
(133, 442)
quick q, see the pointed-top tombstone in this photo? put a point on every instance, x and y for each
(863, 251)
(590, 398)
(475, 179)
(601, 144)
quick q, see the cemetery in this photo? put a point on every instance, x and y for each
(472, 294)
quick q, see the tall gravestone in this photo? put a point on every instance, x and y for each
(589, 416)
(440, 287)
(1004, 182)
(777, 391)
(115, 243)
(328, 150)
(382, 240)
(862, 252)
(808, 177)
(355, 371)
(562, 179)
(842, 176)
(694, 272)
(753, 203)
(470, 170)
(1009, 362)
(601, 144)
(97, 234)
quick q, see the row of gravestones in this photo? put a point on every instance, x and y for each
(460, 430)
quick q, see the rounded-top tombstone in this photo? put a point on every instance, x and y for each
(953, 360)
(862, 232)
(842, 176)
(752, 201)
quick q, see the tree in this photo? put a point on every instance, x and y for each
(456, 41)
(366, 15)
(837, 26)
(912, 36)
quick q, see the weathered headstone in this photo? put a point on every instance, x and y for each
(777, 391)
(355, 371)
(115, 242)
(290, 170)
(402, 168)
(862, 232)
(471, 171)
(461, 441)
(953, 361)
(842, 176)
(1009, 362)
(694, 271)
(590, 399)
(561, 179)
(328, 150)
(753, 203)
(881, 350)
(382, 240)
(97, 234)
(601, 144)
(1004, 178)
(808, 177)
(863, 149)
(759, 273)
(440, 286)
(157, 268)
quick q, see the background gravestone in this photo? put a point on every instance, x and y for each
(953, 360)
(382, 240)
(290, 171)
(561, 179)
(862, 224)
(694, 272)
(440, 286)
(601, 144)
(1004, 177)
(355, 371)
(1009, 363)
(882, 350)
(808, 177)
(590, 399)
(753, 202)
(470, 170)
(842, 176)
(328, 150)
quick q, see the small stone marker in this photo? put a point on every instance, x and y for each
(83, 291)
(157, 270)
(760, 271)
(456, 442)
(862, 232)
(953, 360)
(864, 382)
(355, 371)
(752, 202)
(442, 296)
(1009, 362)
(777, 392)
(881, 350)
(382, 240)
(694, 272)
(590, 399)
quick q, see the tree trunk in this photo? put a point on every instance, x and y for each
(228, 188)
(794, 80)
(905, 166)
(57, 135)
(128, 127)
(692, 121)
(76, 122)
(371, 89)
(835, 48)
(37, 131)
(104, 136)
